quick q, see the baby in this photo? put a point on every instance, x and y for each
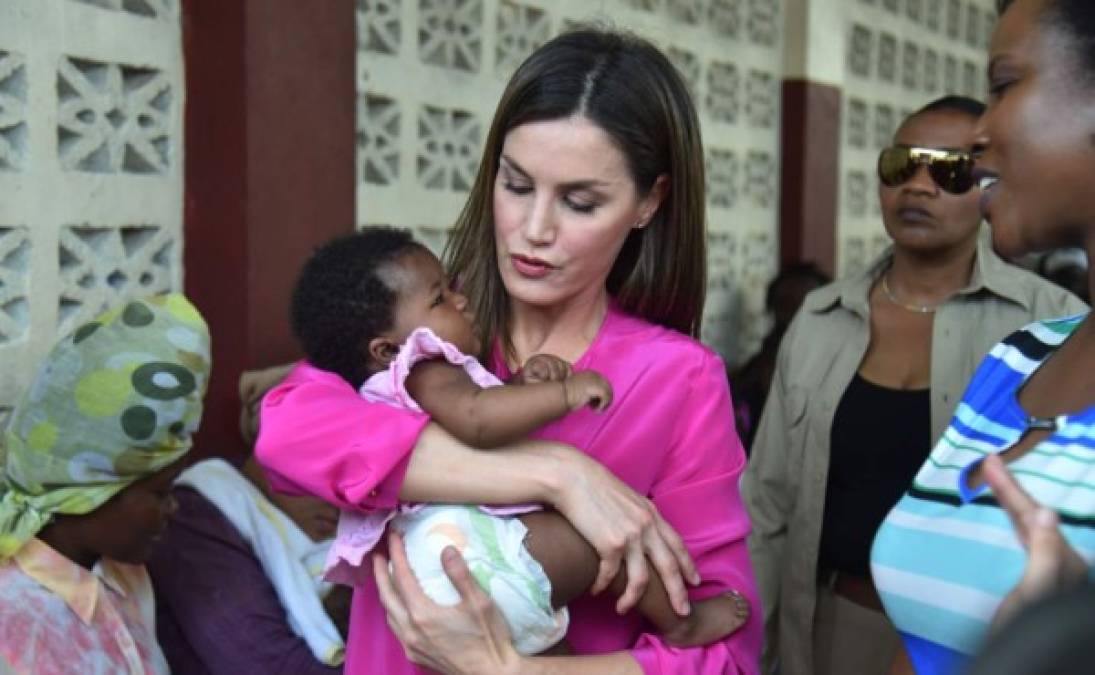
(376, 308)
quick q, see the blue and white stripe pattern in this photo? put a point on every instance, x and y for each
(946, 555)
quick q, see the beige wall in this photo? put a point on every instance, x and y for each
(90, 166)
(91, 100)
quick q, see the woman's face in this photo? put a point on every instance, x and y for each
(127, 527)
(918, 214)
(564, 203)
(1037, 136)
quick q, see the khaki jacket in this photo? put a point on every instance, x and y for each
(784, 483)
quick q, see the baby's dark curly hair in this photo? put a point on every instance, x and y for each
(341, 302)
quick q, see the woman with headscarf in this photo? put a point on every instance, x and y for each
(85, 477)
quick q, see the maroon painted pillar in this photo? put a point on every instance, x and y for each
(810, 182)
(270, 152)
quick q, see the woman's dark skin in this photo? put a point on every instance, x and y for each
(1031, 74)
(1033, 71)
(1042, 199)
(935, 241)
(124, 528)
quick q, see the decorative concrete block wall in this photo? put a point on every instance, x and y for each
(91, 100)
(91, 95)
(430, 73)
(900, 55)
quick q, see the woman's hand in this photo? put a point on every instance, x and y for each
(624, 527)
(470, 637)
(1052, 564)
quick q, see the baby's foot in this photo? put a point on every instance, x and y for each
(711, 620)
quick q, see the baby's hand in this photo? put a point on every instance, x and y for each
(587, 388)
(544, 368)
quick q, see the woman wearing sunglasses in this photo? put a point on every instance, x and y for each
(1003, 511)
(867, 377)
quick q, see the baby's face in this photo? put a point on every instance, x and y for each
(426, 300)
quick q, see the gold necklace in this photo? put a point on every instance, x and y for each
(919, 309)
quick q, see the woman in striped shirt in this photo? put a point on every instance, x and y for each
(1003, 511)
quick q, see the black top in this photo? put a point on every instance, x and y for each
(879, 439)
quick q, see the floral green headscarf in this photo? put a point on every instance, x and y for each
(114, 402)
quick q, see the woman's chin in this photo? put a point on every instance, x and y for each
(919, 242)
(530, 292)
(1007, 243)
(136, 556)
(534, 301)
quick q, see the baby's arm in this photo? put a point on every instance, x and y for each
(493, 416)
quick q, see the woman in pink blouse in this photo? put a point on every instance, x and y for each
(583, 238)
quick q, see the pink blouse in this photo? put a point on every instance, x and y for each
(669, 434)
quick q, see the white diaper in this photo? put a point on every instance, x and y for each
(494, 549)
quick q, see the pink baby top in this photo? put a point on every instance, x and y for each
(669, 434)
(359, 531)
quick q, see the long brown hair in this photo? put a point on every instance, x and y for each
(628, 88)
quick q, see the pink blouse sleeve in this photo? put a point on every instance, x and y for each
(698, 495)
(317, 436)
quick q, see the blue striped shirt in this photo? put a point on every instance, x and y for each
(946, 555)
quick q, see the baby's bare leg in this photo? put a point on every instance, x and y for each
(570, 563)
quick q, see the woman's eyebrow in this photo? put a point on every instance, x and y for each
(514, 166)
(581, 184)
(584, 185)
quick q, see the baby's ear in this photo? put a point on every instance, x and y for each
(381, 351)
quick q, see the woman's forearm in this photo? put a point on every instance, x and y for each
(616, 663)
(442, 469)
(622, 526)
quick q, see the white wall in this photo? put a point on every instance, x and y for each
(91, 100)
(91, 94)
